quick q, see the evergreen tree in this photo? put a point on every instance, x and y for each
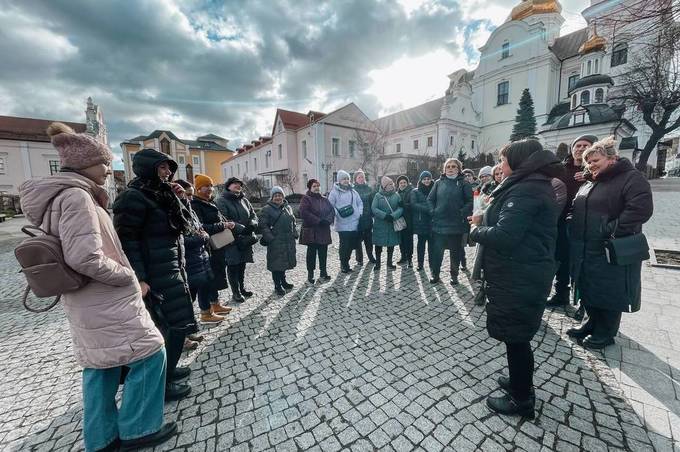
(462, 156)
(525, 121)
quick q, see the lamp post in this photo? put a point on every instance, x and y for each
(326, 167)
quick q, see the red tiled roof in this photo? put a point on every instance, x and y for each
(292, 119)
(29, 129)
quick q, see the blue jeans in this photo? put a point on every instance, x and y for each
(141, 408)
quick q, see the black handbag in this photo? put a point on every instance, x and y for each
(626, 250)
(348, 210)
(243, 242)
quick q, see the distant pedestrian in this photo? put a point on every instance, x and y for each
(277, 224)
(614, 204)
(317, 216)
(404, 189)
(110, 327)
(518, 234)
(386, 209)
(348, 209)
(365, 228)
(422, 216)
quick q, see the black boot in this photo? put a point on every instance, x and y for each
(511, 407)
(454, 280)
(310, 277)
(278, 288)
(286, 285)
(176, 391)
(597, 343)
(504, 383)
(435, 279)
(390, 265)
(161, 436)
(241, 282)
(560, 298)
(581, 332)
(233, 274)
(179, 373)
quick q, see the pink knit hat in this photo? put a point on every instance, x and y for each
(77, 150)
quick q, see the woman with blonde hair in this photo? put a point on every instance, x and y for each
(613, 205)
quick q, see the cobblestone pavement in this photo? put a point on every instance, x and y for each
(370, 361)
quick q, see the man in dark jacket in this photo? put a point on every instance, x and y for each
(150, 220)
(404, 189)
(573, 178)
(422, 216)
(366, 220)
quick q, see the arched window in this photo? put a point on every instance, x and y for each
(585, 97)
(620, 54)
(574, 100)
(590, 65)
(597, 66)
(599, 96)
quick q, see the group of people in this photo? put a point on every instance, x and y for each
(172, 243)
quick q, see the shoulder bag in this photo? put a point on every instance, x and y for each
(626, 250)
(221, 239)
(348, 210)
(399, 224)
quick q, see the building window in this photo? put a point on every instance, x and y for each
(266, 159)
(429, 142)
(54, 167)
(335, 147)
(165, 146)
(589, 67)
(579, 118)
(398, 147)
(620, 54)
(305, 179)
(246, 167)
(599, 96)
(572, 82)
(181, 160)
(585, 97)
(352, 147)
(255, 163)
(505, 50)
(415, 144)
(503, 93)
(238, 168)
(232, 171)
(304, 149)
(597, 66)
(451, 140)
(2, 165)
(280, 151)
(472, 144)
(574, 100)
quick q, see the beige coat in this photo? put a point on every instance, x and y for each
(109, 324)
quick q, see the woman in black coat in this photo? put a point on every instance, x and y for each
(234, 206)
(279, 233)
(317, 216)
(518, 234)
(150, 220)
(422, 216)
(615, 202)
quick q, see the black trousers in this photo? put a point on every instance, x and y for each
(205, 294)
(237, 276)
(440, 243)
(602, 323)
(406, 244)
(174, 344)
(562, 277)
(312, 252)
(378, 254)
(423, 240)
(365, 237)
(521, 369)
(348, 242)
(279, 278)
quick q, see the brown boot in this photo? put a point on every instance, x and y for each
(208, 317)
(219, 309)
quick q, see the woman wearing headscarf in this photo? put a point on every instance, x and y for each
(150, 221)
(110, 327)
(386, 208)
(614, 203)
(451, 203)
(518, 232)
(277, 224)
(317, 216)
(422, 216)
(365, 229)
(348, 209)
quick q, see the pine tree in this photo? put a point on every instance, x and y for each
(525, 121)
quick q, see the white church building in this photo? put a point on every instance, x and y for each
(569, 78)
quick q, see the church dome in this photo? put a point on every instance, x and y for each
(594, 44)
(531, 7)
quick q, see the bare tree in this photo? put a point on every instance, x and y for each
(651, 87)
(290, 179)
(255, 187)
(372, 143)
(635, 16)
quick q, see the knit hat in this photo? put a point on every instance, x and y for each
(276, 189)
(485, 171)
(589, 138)
(342, 175)
(311, 182)
(231, 180)
(402, 177)
(357, 172)
(201, 180)
(385, 181)
(425, 174)
(77, 150)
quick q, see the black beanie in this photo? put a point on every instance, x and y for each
(519, 151)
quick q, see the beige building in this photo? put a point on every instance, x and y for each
(27, 153)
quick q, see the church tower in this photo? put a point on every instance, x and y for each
(95, 122)
(546, 12)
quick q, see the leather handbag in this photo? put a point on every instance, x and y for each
(399, 224)
(626, 250)
(348, 210)
(221, 239)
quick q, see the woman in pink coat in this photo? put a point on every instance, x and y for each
(109, 323)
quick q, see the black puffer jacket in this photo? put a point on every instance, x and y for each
(197, 253)
(211, 221)
(366, 194)
(618, 202)
(422, 215)
(519, 246)
(152, 239)
(451, 203)
(238, 209)
(277, 224)
(405, 196)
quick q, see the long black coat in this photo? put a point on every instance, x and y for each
(405, 196)
(519, 246)
(620, 195)
(155, 249)
(211, 221)
(422, 215)
(239, 210)
(277, 224)
(366, 194)
(196, 248)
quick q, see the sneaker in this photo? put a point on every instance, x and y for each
(219, 309)
(161, 436)
(237, 298)
(511, 407)
(209, 317)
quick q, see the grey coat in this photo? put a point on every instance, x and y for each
(277, 224)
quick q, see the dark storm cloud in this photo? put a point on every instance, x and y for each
(204, 66)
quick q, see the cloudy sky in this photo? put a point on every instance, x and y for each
(223, 67)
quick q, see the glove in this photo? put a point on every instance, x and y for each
(324, 222)
(389, 218)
